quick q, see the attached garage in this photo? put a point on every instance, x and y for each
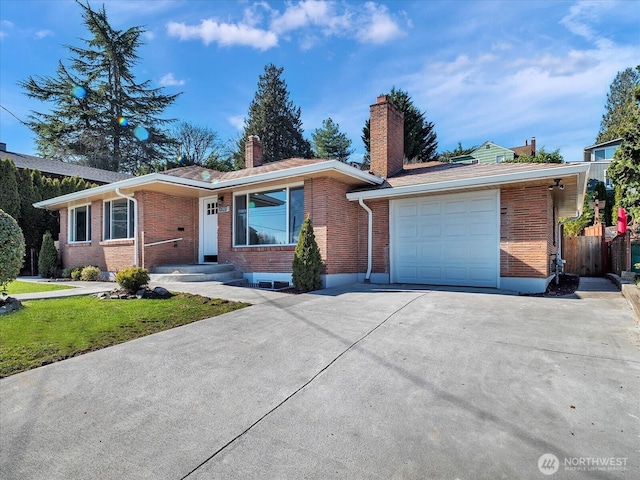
(446, 239)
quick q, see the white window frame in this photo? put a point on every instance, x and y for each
(245, 193)
(71, 220)
(130, 224)
(500, 158)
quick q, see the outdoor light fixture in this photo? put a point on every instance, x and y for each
(557, 184)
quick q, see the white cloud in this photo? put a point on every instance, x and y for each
(237, 121)
(40, 34)
(169, 80)
(310, 13)
(4, 26)
(378, 25)
(224, 34)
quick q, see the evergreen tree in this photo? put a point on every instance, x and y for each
(101, 116)
(624, 170)
(9, 195)
(307, 261)
(275, 119)
(48, 258)
(620, 105)
(329, 142)
(420, 140)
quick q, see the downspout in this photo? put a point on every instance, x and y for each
(367, 276)
(135, 223)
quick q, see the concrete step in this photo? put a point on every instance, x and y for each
(223, 277)
(194, 268)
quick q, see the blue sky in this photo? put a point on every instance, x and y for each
(499, 71)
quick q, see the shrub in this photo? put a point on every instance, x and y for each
(11, 250)
(133, 278)
(48, 259)
(307, 262)
(90, 274)
(76, 273)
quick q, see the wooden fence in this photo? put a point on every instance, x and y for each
(583, 255)
(621, 253)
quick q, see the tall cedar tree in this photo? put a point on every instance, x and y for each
(307, 261)
(329, 142)
(101, 116)
(620, 105)
(275, 119)
(420, 140)
(624, 170)
(9, 189)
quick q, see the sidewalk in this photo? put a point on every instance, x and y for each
(81, 288)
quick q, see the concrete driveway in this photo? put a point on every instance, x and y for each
(364, 382)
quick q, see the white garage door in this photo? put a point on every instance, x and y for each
(446, 239)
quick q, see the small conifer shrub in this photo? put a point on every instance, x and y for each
(307, 262)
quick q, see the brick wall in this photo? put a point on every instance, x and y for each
(159, 218)
(380, 233)
(526, 231)
(331, 213)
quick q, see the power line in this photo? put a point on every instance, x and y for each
(12, 114)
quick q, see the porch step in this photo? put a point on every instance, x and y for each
(223, 273)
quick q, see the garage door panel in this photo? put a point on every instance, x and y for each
(482, 205)
(450, 240)
(429, 209)
(430, 230)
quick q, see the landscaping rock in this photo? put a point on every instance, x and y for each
(9, 304)
(161, 292)
(141, 293)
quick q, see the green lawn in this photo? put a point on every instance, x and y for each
(17, 287)
(46, 331)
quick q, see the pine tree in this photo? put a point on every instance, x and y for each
(307, 261)
(420, 140)
(101, 116)
(275, 119)
(9, 195)
(329, 142)
(620, 104)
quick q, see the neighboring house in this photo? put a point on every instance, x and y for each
(491, 225)
(600, 156)
(490, 152)
(58, 169)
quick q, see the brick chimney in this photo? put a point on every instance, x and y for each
(253, 152)
(386, 139)
(533, 146)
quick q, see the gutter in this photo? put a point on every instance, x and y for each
(367, 276)
(135, 224)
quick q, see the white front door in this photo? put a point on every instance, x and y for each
(209, 229)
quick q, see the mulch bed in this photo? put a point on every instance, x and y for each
(567, 285)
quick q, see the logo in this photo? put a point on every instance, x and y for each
(548, 464)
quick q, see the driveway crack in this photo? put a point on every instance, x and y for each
(302, 387)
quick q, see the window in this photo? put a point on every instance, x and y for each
(271, 217)
(499, 158)
(605, 153)
(607, 181)
(80, 224)
(118, 219)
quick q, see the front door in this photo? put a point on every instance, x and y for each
(209, 229)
